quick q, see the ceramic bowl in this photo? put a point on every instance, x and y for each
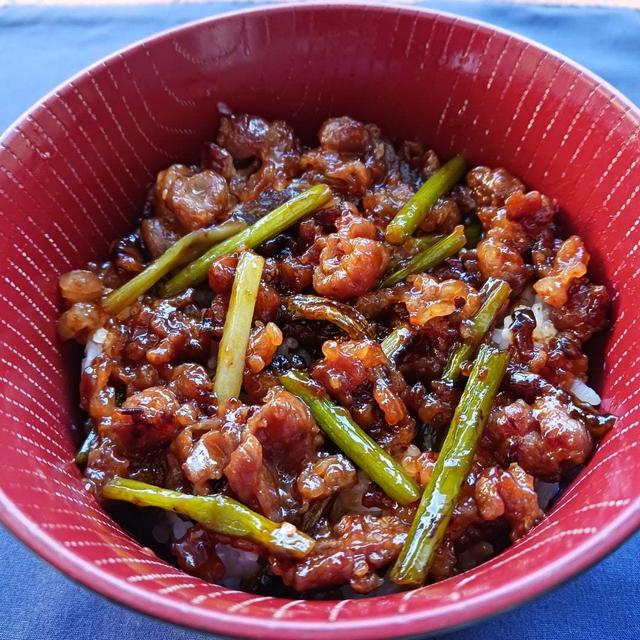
(73, 175)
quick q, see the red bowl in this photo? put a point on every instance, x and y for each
(73, 174)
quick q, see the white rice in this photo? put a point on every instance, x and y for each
(171, 527)
(584, 393)
(412, 451)
(239, 565)
(94, 347)
(545, 328)
(502, 336)
(350, 500)
(543, 331)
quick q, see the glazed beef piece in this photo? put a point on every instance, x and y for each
(357, 547)
(379, 360)
(192, 199)
(542, 437)
(585, 310)
(272, 144)
(351, 261)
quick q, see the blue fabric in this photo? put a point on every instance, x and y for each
(40, 47)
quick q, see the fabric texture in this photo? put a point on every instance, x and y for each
(41, 47)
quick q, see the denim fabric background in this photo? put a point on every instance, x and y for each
(39, 48)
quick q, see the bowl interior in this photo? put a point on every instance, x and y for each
(73, 175)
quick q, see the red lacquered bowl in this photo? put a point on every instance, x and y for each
(73, 174)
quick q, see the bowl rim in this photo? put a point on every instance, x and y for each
(587, 552)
